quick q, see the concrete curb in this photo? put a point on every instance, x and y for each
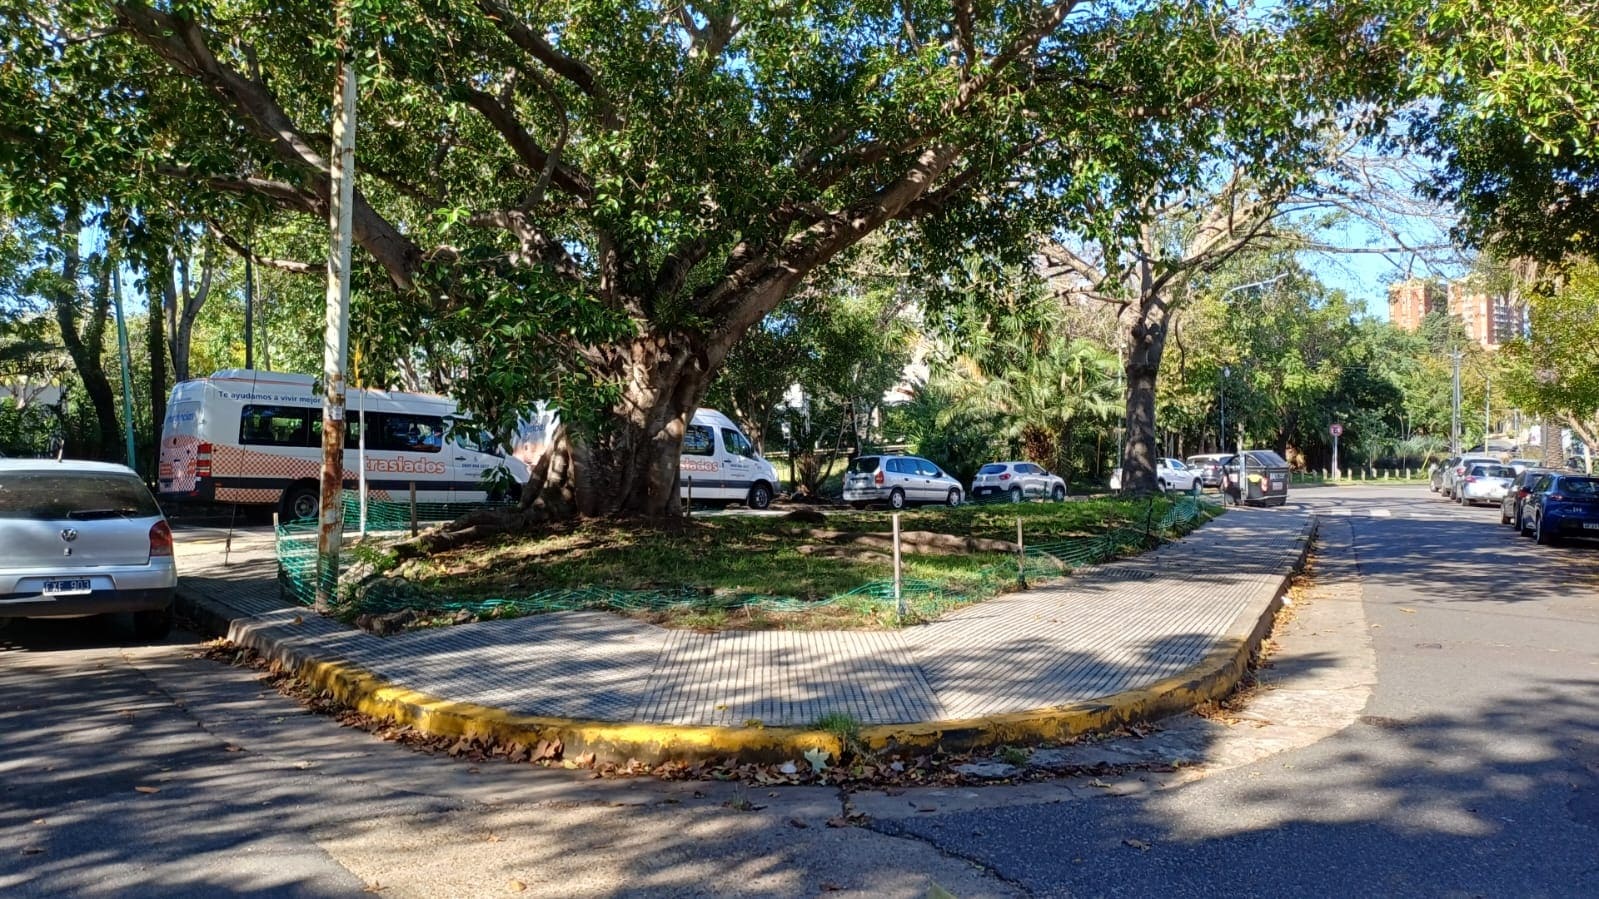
(1212, 678)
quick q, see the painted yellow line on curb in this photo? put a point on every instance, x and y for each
(1212, 678)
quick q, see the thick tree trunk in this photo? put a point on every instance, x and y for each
(630, 466)
(1146, 344)
(156, 347)
(86, 346)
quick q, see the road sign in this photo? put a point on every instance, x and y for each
(1336, 430)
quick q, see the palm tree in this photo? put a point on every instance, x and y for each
(1041, 389)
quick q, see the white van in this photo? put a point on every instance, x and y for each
(718, 463)
(255, 437)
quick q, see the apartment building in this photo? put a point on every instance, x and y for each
(1410, 301)
(1489, 318)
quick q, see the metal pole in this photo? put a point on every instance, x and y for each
(1335, 457)
(899, 596)
(1454, 408)
(127, 361)
(336, 344)
(360, 454)
(1021, 555)
(413, 509)
(249, 310)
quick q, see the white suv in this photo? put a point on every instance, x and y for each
(1017, 481)
(1170, 474)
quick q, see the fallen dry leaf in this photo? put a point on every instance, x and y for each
(232, 748)
(374, 888)
(32, 850)
(1408, 611)
(144, 789)
(1140, 845)
(38, 821)
(518, 886)
(494, 838)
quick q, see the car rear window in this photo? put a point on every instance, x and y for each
(864, 465)
(1583, 487)
(1491, 471)
(991, 468)
(82, 495)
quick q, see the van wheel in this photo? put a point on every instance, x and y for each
(152, 624)
(1058, 494)
(954, 498)
(760, 496)
(896, 500)
(1015, 494)
(301, 501)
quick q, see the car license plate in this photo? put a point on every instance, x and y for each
(67, 586)
(1590, 525)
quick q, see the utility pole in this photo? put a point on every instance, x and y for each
(336, 345)
(1487, 408)
(1454, 408)
(1222, 443)
(249, 309)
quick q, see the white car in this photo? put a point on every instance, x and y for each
(1017, 481)
(1170, 474)
(83, 538)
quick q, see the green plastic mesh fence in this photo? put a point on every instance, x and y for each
(923, 599)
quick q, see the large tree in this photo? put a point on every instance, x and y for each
(595, 201)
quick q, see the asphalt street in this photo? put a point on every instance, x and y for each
(1473, 769)
(1429, 726)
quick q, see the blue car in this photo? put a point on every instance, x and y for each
(1562, 505)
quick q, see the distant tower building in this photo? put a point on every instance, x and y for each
(1410, 301)
(1490, 319)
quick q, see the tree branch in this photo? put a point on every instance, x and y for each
(286, 265)
(526, 148)
(574, 70)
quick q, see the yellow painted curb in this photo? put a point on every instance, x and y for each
(1212, 678)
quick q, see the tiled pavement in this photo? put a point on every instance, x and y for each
(1101, 631)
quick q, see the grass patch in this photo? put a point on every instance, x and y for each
(704, 575)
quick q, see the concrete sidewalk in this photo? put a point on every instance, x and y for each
(1111, 644)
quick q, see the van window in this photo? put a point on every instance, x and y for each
(737, 443)
(926, 469)
(697, 441)
(864, 464)
(410, 433)
(352, 430)
(275, 426)
(900, 466)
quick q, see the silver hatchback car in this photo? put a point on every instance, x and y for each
(83, 538)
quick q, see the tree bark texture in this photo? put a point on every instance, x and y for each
(1146, 344)
(155, 345)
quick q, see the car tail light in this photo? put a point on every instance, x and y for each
(878, 478)
(1005, 476)
(202, 461)
(160, 539)
(1557, 497)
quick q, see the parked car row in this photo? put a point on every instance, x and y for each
(900, 481)
(1550, 504)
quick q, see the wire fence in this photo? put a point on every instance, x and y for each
(920, 599)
